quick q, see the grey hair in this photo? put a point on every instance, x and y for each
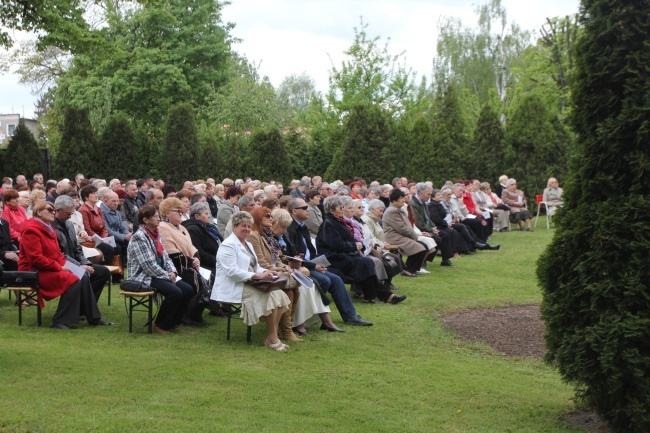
(63, 202)
(149, 195)
(281, 217)
(245, 200)
(385, 187)
(343, 190)
(268, 188)
(331, 203)
(241, 217)
(446, 190)
(376, 204)
(375, 190)
(421, 187)
(484, 185)
(101, 191)
(510, 182)
(198, 208)
(346, 200)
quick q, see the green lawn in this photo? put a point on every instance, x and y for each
(405, 374)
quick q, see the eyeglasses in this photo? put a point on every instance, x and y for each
(69, 213)
(49, 209)
(177, 210)
(267, 215)
(302, 207)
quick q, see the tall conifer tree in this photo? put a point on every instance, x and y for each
(23, 155)
(595, 274)
(181, 148)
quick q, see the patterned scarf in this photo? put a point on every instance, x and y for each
(155, 236)
(347, 224)
(274, 245)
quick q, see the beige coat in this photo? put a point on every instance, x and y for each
(399, 233)
(374, 228)
(510, 197)
(314, 220)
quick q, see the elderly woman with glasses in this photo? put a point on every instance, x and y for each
(39, 251)
(149, 264)
(237, 265)
(336, 241)
(183, 254)
(14, 214)
(516, 199)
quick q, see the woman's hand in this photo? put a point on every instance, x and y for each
(196, 263)
(359, 246)
(64, 269)
(287, 268)
(262, 275)
(172, 277)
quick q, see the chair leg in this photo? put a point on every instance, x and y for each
(20, 307)
(537, 218)
(228, 326)
(110, 285)
(248, 333)
(150, 316)
(130, 314)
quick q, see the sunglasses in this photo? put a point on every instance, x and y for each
(267, 215)
(302, 207)
(49, 209)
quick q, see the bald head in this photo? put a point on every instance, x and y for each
(111, 200)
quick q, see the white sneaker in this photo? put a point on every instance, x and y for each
(423, 271)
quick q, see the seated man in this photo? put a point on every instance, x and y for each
(115, 224)
(65, 231)
(299, 241)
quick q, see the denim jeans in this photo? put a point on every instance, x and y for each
(333, 284)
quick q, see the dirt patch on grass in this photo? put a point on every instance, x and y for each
(516, 330)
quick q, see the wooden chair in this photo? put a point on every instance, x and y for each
(26, 289)
(139, 299)
(114, 270)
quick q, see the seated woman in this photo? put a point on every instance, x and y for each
(185, 196)
(205, 236)
(36, 196)
(93, 220)
(228, 207)
(335, 240)
(552, 196)
(315, 218)
(183, 254)
(39, 251)
(500, 216)
(371, 228)
(309, 305)
(149, 263)
(398, 230)
(268, 251)
(237, 264)
(14, 214)
(516, 199)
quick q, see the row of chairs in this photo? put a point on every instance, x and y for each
(25, 287)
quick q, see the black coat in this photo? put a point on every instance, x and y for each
(335, 241)
(5, 239)
(437, 213)
(203, 242)
(68, 242)
(295, 234)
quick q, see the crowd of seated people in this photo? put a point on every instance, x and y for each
(244, 230)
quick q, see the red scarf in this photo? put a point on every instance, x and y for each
(155, 236)
(347, 224)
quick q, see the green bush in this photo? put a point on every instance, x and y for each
(595, 274)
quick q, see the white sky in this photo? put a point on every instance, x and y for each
(287, 37)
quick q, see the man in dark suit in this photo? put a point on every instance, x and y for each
(300, 241)
(99, 275)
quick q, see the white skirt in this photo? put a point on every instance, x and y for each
(310, 305)
(257, 304)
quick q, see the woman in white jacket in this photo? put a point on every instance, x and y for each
(237, 264)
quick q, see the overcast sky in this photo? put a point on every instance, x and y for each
(287, 37)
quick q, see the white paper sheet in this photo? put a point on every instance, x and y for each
(78, 271)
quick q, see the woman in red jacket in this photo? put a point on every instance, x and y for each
(39, 251)
(15, 214)
(94, 224)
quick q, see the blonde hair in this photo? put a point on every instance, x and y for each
(281, 217)
(168, 204)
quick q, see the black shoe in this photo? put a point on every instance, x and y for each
(296, 331)
(371, 301)
(61, 326)
(324, 327)
(357, 321)
(447, 263)
(482, 246)
(396, 299)
(494, 247)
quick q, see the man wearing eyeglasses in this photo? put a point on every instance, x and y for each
(64, 208)
(300, 242)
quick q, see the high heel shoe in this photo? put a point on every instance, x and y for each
(324, 327)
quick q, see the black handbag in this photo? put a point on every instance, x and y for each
(135, 286)
(21, 278)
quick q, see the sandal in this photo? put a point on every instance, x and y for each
(278, 346)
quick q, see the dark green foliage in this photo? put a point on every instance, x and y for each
(122, 155)
(297, 145)
(450, 145)
(536, 146)
(180, 151)
(22, 155)
(487, 150)
(595, 273)
(77, 147)
(366, 136)
(268, 157)
(417, 161)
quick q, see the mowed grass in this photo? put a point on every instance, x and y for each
(407, 373)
